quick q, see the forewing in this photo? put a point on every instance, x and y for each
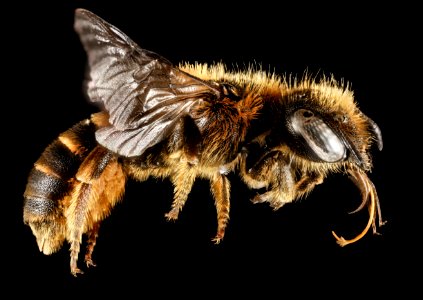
(144, 94)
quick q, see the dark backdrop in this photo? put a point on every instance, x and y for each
(264, 252)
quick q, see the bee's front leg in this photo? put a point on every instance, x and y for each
(307, 183)
(273, 171)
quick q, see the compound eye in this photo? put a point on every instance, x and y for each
(319, 137)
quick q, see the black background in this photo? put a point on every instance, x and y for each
(263, 252)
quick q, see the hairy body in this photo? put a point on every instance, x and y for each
(186, 122)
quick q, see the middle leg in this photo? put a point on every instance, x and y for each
(220, 188)
(183, 181)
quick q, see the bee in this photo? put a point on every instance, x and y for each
(282, 135)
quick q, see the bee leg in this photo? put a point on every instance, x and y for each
(273, 171)
(76, 220)
(99, 184)
(92, 239)
(220, 188)
(257, 176)
(282, 187)
(307, 183)
(182, 181)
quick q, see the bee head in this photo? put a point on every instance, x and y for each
(324, 124)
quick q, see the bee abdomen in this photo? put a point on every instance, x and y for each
(50, 181)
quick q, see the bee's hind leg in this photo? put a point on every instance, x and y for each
(92, 240)
(99, 185)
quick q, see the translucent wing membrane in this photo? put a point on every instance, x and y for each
(144, 94)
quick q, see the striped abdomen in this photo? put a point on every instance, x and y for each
(51, 182)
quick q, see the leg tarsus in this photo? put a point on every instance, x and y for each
(74, 259)
(76, 271)
(274, 201)
(89, 262)
(92, 240)
(173, 214)
(218, 238)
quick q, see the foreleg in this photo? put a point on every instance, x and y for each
(275, 172)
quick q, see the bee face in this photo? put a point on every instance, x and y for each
(188, 122)
(321, 123)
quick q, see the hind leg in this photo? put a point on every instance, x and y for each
(92, 240)
(100, 184)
